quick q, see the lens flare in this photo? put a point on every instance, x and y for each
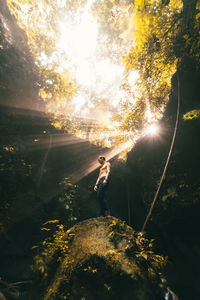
(152, 129)
(94, 164)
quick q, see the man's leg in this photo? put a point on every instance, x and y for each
(105, 203)
(106, 200)
(100, 195)
(102, 198)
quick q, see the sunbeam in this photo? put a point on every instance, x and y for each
(94, 164)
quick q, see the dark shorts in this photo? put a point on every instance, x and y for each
(101, 195)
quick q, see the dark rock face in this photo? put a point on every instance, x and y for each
(176, 215)
(18, 89)
(101, 261)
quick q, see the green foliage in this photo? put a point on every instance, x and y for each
(38, 19)
(140, 248)
(114, 21)
(171, 193)
(163, 34)
(40, 22)
(159, 35)
(117, 230)
(193, 114)
(134, 118)
(90, 259)
(90, 269)
(147, 259)
(152, 54)
(57, 90)
(15, 177)
(52, 249)
(67, 199)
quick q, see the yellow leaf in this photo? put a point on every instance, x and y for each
(34, 247)
(51, 221)
(46, 229)
(198, 17)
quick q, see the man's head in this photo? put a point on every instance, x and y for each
(101, 159)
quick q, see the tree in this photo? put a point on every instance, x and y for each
(164, 32)
(39, 19)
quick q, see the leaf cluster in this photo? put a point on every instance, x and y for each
(51, 250)
(40, 22)
(140, 249)
(193, 114)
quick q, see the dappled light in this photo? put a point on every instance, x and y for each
(105, 66)
(86, 86)
(99, 123)
(94, 73)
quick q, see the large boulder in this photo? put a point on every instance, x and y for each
(99, 258)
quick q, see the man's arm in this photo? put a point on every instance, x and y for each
(95, 187)
(97, 181)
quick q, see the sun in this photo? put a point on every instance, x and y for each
(152, 129)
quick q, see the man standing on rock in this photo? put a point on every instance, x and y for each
(102, 185)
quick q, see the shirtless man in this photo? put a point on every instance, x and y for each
(102, 185)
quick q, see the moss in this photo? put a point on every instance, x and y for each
(101, 255)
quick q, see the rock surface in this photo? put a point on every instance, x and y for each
(104, 259)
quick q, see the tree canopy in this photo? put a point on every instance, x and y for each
(111, 88)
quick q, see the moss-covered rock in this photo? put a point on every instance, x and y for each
(99, 258)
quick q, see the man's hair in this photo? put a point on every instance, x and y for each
(102, 157)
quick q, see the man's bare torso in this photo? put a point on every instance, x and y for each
(104, 169)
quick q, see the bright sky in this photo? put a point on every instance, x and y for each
(93, 75)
